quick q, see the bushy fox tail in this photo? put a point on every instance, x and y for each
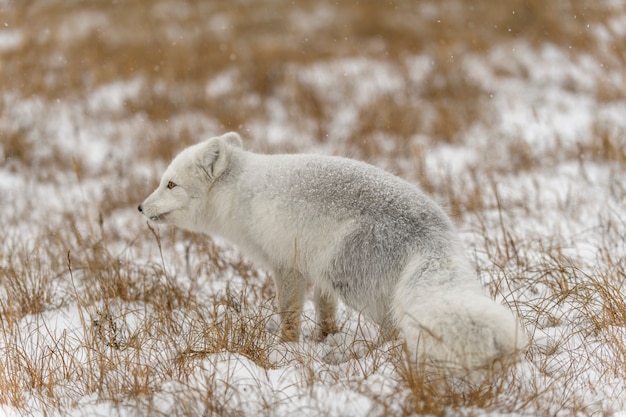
(462, 330)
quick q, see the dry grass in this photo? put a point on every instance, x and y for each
(96, 307)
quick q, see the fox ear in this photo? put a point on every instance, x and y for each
(232, 138)
(215, 158)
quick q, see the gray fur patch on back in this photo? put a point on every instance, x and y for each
(394, 220)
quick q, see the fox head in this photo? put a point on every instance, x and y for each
(177, 200)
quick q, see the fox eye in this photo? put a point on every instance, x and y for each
(171, 185)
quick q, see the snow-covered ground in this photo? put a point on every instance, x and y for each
(103, 314)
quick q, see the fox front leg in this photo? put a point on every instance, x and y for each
(290, 289)
(325, 311)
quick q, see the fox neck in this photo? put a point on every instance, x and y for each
(217, 215)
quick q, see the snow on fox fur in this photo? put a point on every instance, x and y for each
(356, 233)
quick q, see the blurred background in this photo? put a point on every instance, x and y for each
(96, 87)
(368, 78)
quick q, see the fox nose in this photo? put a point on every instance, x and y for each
(140, 208)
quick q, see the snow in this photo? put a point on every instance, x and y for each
(222, 84)
(544, 104)
(10, 39)
(542, 97)
(80, 25)
(111, 98)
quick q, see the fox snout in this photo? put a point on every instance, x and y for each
(156, 217)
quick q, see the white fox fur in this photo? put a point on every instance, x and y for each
(356, 232)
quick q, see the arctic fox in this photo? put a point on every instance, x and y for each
(355, 232)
